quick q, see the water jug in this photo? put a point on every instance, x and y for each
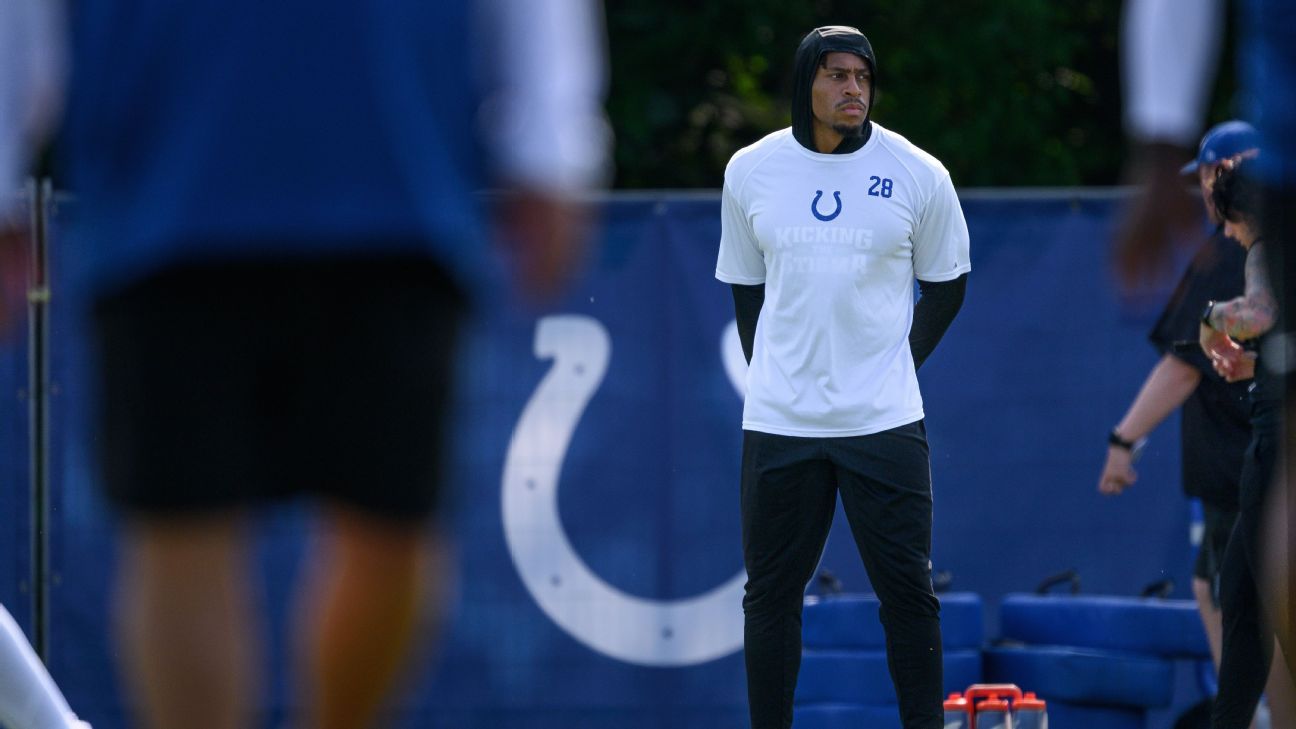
(993, 714)
(958, 712)
(1029, 712)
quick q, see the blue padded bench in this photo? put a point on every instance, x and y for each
(851, 621)
(846, 716)
(1168, 628)
(843, 666)
(861, 677)
(1084, 675)
(1064, 715)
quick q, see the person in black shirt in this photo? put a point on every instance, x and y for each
(1214, 427)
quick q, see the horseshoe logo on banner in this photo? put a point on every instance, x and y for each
(632, 629)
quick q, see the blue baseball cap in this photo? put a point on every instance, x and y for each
(1222, 141)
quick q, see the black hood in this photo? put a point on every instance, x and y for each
(828, 39)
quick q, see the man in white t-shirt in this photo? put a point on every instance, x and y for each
(825, 226)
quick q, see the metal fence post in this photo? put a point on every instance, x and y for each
(40, 194)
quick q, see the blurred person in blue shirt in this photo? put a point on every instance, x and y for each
(281, 227)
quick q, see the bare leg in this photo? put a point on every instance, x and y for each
(186, 623)
(1278, 692)
(1211, 618)
(362, 609)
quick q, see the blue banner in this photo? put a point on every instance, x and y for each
(593, 496)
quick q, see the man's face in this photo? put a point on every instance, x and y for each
(839, 96)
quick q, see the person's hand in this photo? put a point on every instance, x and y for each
(1118, 472)
(1161, 215)
(1229, 359)
(1243, 370)
(547, 235)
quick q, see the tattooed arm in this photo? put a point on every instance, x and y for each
(1246, 317)
(1254, 312)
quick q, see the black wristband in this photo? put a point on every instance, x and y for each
(1113, 438)
(1206, 314)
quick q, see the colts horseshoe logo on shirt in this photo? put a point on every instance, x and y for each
(814, 206)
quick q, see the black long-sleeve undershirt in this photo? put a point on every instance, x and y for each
(748, 301)
(938, 303)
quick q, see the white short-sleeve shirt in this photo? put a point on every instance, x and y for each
(838, 241)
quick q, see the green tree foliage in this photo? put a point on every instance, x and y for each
(1004, 92)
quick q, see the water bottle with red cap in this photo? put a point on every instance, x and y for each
(992, 713)
(958, 712)
(1029, 712)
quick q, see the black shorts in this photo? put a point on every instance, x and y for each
(239, 383)
(1217, 526)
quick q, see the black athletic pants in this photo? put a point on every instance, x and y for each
(1248, 637)
(789, 494)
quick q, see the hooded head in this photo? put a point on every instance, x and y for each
(813, 48)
